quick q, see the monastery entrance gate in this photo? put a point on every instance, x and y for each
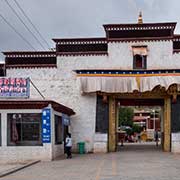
(151, 89)
(157, 97)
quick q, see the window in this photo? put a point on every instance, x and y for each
(58, 130)
(139, 57)
(139, 62)
(24, 129)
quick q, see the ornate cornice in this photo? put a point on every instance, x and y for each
(98, 53)
(29, 54)
(30, 59)
(144, 26)
(158, 95)
(176, 51)
(176, 37)
(80, 41)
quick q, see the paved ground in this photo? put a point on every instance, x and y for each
(133, 162)
(8, 168)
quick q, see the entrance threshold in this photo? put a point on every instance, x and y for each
(139, 146)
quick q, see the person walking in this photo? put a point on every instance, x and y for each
(156, 137)
(68, 145)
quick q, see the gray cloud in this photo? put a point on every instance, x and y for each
(79, 18)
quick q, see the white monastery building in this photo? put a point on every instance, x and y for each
(86, 79)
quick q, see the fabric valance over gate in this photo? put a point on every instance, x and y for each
(125, 84)
(148, 83)
(108, 84)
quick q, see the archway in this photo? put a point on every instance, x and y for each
(141, 100)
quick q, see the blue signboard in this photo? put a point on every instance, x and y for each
(14, 87)
(65, 119)
(46, 125)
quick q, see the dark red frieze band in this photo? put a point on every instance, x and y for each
(31, 66)
(30, 54)
(35, 104)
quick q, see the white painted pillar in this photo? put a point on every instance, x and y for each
(4, 128)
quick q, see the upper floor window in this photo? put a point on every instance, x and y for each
(139, 62)
(139, 57)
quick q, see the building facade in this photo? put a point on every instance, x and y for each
(147, 119)
(134, 64)
(32, 129)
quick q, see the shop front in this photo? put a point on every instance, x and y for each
(32, 129)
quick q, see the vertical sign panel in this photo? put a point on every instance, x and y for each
(46, 125)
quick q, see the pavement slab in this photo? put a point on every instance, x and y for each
(131, 162)
(9, 168)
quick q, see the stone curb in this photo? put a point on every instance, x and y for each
(15, 169)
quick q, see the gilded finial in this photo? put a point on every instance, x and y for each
(140, 20)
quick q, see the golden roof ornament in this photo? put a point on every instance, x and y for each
(140, 20)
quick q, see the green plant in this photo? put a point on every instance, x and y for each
(136, 128)
(126, 116)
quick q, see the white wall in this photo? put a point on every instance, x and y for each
(175, 142)
(62, 85)
(176, 60)
(160, 55)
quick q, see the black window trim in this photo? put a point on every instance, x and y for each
(24, 143)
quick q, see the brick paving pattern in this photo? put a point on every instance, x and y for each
(134, 162)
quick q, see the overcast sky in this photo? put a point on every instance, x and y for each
(78, 18)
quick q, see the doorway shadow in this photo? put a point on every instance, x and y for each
(141, 147)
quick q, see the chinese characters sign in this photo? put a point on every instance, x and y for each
(14, 87)
(46, 125)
